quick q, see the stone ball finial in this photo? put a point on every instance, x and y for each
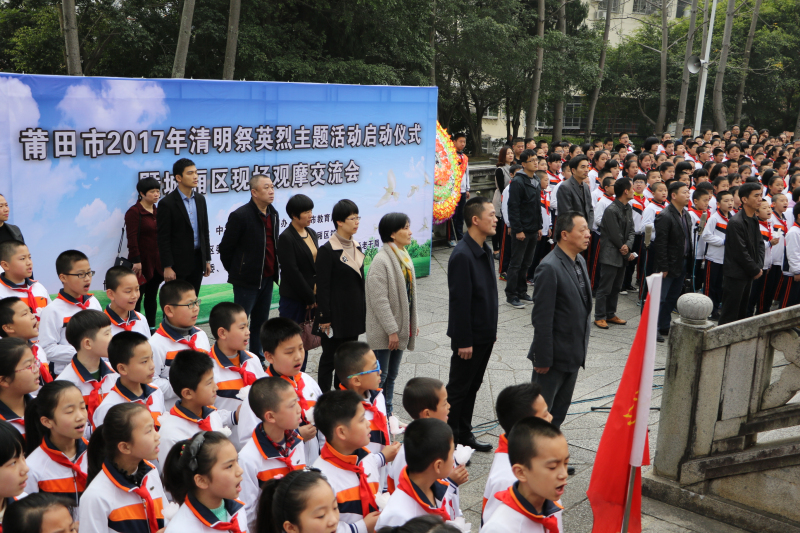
(694, 308)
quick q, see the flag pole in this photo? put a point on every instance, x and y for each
(627, 516)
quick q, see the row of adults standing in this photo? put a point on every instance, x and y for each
(326, 284)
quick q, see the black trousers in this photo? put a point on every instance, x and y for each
(195, 276)
(325, 373)
(557, 388)
(542, 249)
(627, 281)
(466, 377)
(735, 294)
(789, 292)
(505, 248)
(148, 296)
(713, 284)
(594, 260)
(607, 291)
(699, 275)
(521, 258)
(755, 303)
(771, 290)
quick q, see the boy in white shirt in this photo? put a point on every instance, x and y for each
(790, 294)
(714, 237)
(780, 227)
(122, 289)
(759, 302)
(700, 208)
(15, 259)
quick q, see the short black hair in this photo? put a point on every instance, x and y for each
(420, 394)
(575, 161)
(264, 394)
(474, 208)
(172, 292)
(674, 187)
(425, 441)
(566, 222)
(121, 347)
(180, 165)
(335, 408)
(146, 185)
(390, 223)
(526, 155)
(66, 260)
(187, 369)
(608, 180)
(700, 192)
(640, 177)
(796, 208)
(722, 194)
(115, 274)
(7, 312)
(515, 403)
(222, 316)
(276, 330)
(522, 439)
(458, 135)
(9, 248)
(298, 204)
(341, 210)
(85, 325)
(747, 189)
(349, 359)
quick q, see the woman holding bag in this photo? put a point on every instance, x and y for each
(391, 300)
(140, 223)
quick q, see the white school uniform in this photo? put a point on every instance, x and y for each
(766, 236)
(111, 505)
(714, 237)
(596, 195)
(593, 185)
(345, 484)
(500, 478)
(47, 475)
(93, 391)
(602, 203)
(395, 468)
(18, 422)
(166, 342)
(44, 367)
(53, 327)
(779, 229)
(521, 517)
(181, 424)
(30, 291)
(261, 461)
(638, 205)
(700, 244)
(408, 502)
(135, 322)
(792, 252)
(195, 517)
(151, 397)
(546, 217)
(651, 210)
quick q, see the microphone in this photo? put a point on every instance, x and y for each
(703, 221)
(648, 233)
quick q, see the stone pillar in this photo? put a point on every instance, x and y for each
(679, 398)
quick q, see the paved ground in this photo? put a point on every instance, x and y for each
(608, 351)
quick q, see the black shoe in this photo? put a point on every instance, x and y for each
(514, 302)
(526, 299)
(660, 338)
(714, 315)
(570, 470)
(475, 444)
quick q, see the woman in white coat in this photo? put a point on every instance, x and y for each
(391, 290)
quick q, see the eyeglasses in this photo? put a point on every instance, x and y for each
(367, 371)
(32, 367)
(82, 275)
(190, 305)
(353, 218)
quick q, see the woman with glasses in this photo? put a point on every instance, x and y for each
(391, 300)
(140, 224)
(341, 307)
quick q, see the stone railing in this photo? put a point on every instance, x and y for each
(722, 389)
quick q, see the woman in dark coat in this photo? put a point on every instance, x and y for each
(140, 223)
(341, 304)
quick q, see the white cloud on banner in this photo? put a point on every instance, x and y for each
(97, 220)
(120, 105)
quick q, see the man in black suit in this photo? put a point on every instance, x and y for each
(472, 321)
(183, 240)
(574, 194)
(561, 317)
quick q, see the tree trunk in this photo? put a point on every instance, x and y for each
(686, 74)
(475, 126)
(596, 90)
(433, 44)
(558, 111)
(185, 34)
(720, 122)
(71, 43)
(662, 101)
(702, 56)
(797, 124)
(737, 114)
(533, 108)
(233, 40)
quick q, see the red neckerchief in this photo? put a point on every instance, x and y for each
(262, 441)
(10, 416)
(296, 382)
(208, 518)
(611, 198)
(782, 222)
(661, 205)
(348, 462)
(377, 415)
(83, 303)
(723, 216)
(407, 486)
(26, 287)
(248, 378)
(190, 342)
(58, 457)
(765, 224)
(44, 370)
(127, 325)
(510, 498)
(545, 200)
(181, 412)
(555, 177)
(502, 446)
(94, 398)
(146, 398)
(149, 505)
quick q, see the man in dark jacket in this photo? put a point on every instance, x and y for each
(574, 194)
(525, 221)
(248, 251)
(472, 320)
(182, 224)
(616, 245)
(673, 251)
(744, 255)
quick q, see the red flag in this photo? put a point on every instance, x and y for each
(624, 442)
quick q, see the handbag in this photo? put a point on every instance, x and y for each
(310, 340)
(122, 261)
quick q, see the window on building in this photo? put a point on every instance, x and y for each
(603, 6)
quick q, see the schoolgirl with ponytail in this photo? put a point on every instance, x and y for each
(204, 476)
(13, 469)
(124, 493)
(19, 377)
(302, 501)
(54, 424)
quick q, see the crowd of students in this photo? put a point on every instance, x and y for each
(140, 433)
(714, 168)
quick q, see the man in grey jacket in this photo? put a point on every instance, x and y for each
(616, 246)
(575, 194)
